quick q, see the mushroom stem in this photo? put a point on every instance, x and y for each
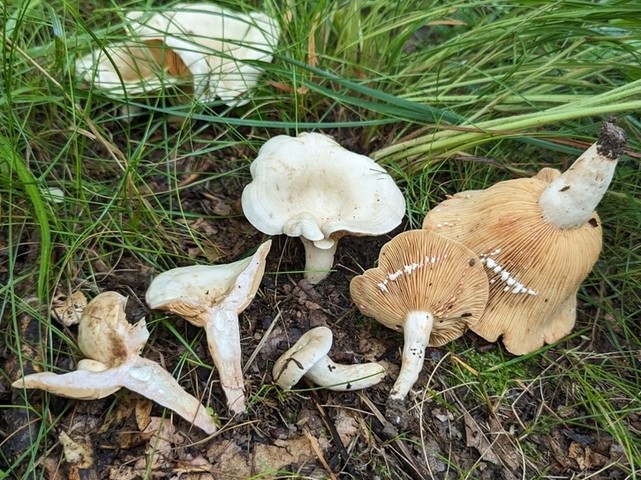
(223, 340)
(149, 379)
(572, 197)
(137, 374)
(79, 384)
(343, 378)
(417, 330)
(318, 261)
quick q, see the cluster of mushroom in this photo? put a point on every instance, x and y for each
(505, 261)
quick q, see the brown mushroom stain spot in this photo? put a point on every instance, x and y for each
(118, 349)
(593, 222)
(567, 187)
(472, 262)
(348, 386)
(331, 368)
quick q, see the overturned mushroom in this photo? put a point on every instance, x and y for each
(214, 49)
(113, 347)
(427, 286)
(538, 238)
(212, 297)
(311, 187)
(308, 358)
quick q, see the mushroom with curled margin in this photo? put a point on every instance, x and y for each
(308, 357)
(214, 49)
(427, 286)
(212, 297)
(538, 238)
(112, 347)
(310, 187)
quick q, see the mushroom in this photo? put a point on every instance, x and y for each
(427, 286)
(308, 358)
(217, 49)
(311, 187)
(212, 297)
(112, 347)
(538, 238)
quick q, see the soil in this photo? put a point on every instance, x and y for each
(305, 433)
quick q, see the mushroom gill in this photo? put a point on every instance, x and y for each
(538, 243)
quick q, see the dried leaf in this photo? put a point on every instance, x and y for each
(68, 309)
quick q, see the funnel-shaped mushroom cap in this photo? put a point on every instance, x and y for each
(192, 291)
(214, 47)
(212, 297)
(420, 271)
(311, 187)
(104, 334)
(534, 268)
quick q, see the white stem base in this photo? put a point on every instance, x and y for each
(223, 339)
(572, 197)
(318, 261)
(345, 378)
(417, 330)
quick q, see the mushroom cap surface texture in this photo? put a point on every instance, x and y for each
(534, 267)
(192, 291)
(215, 48)
(420, 270)
(105, 334)
(312, 187)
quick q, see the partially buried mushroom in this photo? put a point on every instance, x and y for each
(427, 286)
(212, 297)
(216, 50)
(308, 357)
(538, 239)
(311, 187)
(112, 346)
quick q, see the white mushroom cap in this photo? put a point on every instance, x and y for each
(311, 187)
(108, 335)
(308, 358)
(212, 296)
(202, 41)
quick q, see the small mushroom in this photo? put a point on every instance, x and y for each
(112, 346)
(212, 297)
(214, 48)
(538, 238)
(308, 358)
(311, 187)
(427, 286)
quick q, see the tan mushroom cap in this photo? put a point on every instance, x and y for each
(423, 271)
(534, 267)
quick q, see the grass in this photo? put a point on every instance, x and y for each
(447, 96)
